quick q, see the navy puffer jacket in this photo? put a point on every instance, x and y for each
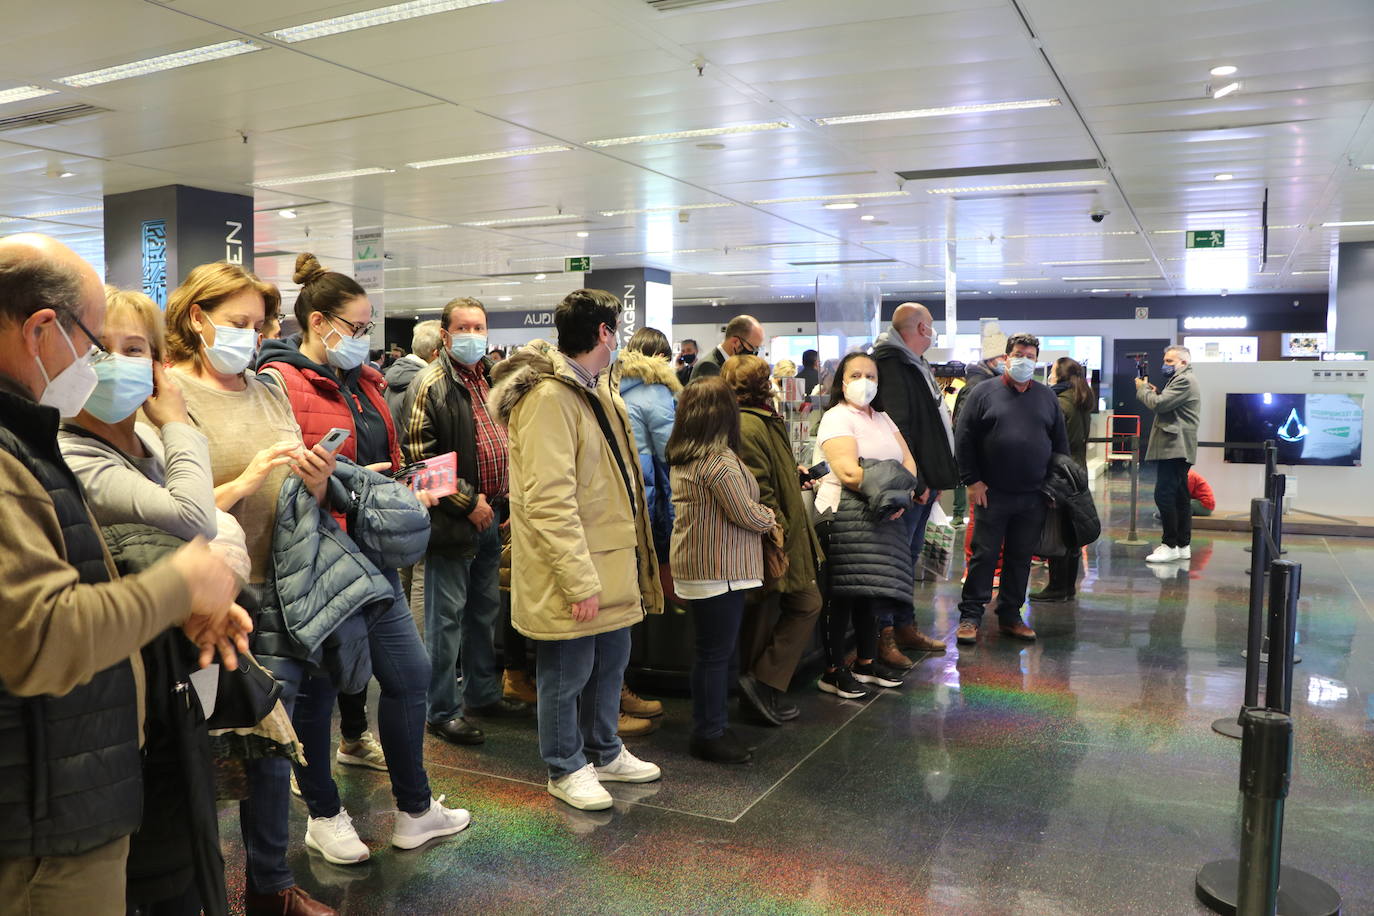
(868, 554)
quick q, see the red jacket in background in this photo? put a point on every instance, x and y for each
(1199, 489)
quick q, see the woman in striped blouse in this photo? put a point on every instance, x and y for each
(717, 551)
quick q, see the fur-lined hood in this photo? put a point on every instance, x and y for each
(637, 368)
(518, 374)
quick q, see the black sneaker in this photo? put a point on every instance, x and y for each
(842, 684)
(878, 674)
(757, 697)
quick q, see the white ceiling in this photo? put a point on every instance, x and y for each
(1131, 76)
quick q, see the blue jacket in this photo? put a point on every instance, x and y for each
(649, 388)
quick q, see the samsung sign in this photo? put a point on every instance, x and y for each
(1215, 323)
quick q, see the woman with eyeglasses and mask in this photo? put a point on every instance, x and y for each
(330, 385)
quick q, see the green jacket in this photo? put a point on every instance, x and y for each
(1077, 423)
(765, 451)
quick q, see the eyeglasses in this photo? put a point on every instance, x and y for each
(102, 354)
(359, 330)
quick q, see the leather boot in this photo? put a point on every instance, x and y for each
(517, 685)
(631, 704)
(632, 727)
(293, 901)
(888, 653)
(908, 637)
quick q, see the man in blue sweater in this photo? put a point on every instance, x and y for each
(1006, 432)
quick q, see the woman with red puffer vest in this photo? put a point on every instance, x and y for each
(325, 375)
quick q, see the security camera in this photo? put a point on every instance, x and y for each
(1098, 216)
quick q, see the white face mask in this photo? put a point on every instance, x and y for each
(1020, 368)
(348, 353)
(73, 385)
(860, 391)
(233, 349)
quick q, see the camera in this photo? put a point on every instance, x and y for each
(1142, 364)
(1098, 216)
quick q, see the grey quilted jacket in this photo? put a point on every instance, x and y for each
(868, 555)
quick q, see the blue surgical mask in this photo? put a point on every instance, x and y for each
(1168, 370)
(468, 349)
(233, 350)
(349, 353)
(125, 382)
(1020, 368)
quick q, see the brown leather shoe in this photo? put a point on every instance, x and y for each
(967, 634)
(633, 727)
(517, 685)
(631, 704)
(888, 653)
(293, 901)
(908, 637)
(1017, 630)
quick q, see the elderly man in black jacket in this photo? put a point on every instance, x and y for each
(1005, 436)
(916, 404)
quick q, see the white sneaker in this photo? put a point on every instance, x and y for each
(335, 839)
(1163, 554)
(365, 752)
(628, 768)
(581, 790)
(414, 830)
(1185, 553)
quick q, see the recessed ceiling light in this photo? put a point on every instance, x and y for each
(868, 217)
(158, 64)
(23, 93)
(841, 205)
(1034, 186)
(688, 134)
(1348, 222)
(869, 195)
(287, 213)
(541, 276)
(66, 174)
(1226, 90)
(482, 157)
(1123, 277)
(583, 235)
(367, 18)
(1223, 176)
(939, 112)
(520, 220)
(504, 298)
(1006, 282)
(1223, 70)
(1096, 261)
(321, 176)
(668, 208)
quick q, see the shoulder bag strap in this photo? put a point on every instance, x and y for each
(604, 422)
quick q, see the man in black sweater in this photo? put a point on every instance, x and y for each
(1004, 437)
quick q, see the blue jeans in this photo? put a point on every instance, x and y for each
(578, 681)
(462, 605)
(716, 622)
(400, 667)
(917, 517)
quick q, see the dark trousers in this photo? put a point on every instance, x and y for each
(715, 622)
(1010, 524)
(839, 611)
(917, 518)
(1064, 573)
(1171, 497)
(515, 648)
(353, 714)
(776, 630)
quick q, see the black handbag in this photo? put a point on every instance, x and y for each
(1051, 543)
(244, 696)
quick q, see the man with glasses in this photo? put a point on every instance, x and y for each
(70, 674)
(743, 337)
(445, 411)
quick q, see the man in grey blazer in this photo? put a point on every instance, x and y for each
(1173, 449)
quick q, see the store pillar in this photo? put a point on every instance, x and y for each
(154, 237)
(1349, 318)
(645, 294)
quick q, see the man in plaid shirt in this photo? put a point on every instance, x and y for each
(446, 411)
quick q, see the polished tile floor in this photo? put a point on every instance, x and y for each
(1077, 775)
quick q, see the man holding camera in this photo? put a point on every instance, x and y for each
(1173, 448)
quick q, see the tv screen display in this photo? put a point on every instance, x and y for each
(1321, 429)
(1300, 345)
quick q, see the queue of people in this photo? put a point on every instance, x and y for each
(181, 489)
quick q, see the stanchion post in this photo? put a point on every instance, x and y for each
(1254, 634)
(1271, 464)
(1133, 538)
(1276, 516)
(1285, 582)
(1265, 763)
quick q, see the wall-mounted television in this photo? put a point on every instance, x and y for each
(1314, 429)
(1309, 343)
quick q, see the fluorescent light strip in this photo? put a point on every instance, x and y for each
(765, 246)
(1309, 273)
(1033, 186)
(746, 273)
(1126, 277)
(171, 61)
(482, 157)
(368, 18)
(322, 176)
(46, 214)
(23, 93)
(1349, 222)
(688, 134)
(868, 195)
(1069, 235)
(1123, 289)
(668, 209)
(1226, 90)
(631, 254)
(1098, 261)
(515, 221)
(938, 112)
(401, 229)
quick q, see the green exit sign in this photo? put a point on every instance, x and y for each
(1209, 238)
(575, 265)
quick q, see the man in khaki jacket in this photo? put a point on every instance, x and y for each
(583, 569)
(71, 684)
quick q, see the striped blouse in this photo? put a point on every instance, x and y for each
(717, 528)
